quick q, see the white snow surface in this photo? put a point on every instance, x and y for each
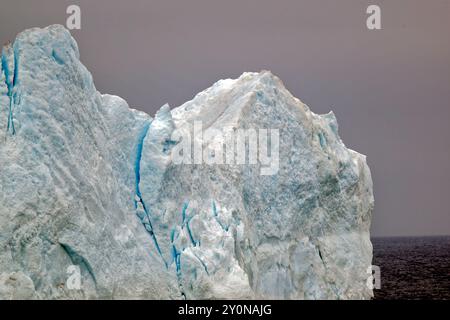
(87, 181)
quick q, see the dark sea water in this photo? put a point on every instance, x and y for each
(413, 268)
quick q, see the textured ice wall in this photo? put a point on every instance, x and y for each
(67, 177)
(87, 181)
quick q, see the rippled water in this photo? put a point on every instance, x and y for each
(413, 268)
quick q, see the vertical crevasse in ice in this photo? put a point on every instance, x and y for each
(142, 210)
(10, 69)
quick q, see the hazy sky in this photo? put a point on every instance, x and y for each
(390, 89)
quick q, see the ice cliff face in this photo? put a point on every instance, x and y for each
(87, 181)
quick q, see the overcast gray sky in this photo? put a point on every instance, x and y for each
(390, 88)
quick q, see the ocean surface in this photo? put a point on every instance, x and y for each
(413, 268)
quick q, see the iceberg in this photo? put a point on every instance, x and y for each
(147, 208)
